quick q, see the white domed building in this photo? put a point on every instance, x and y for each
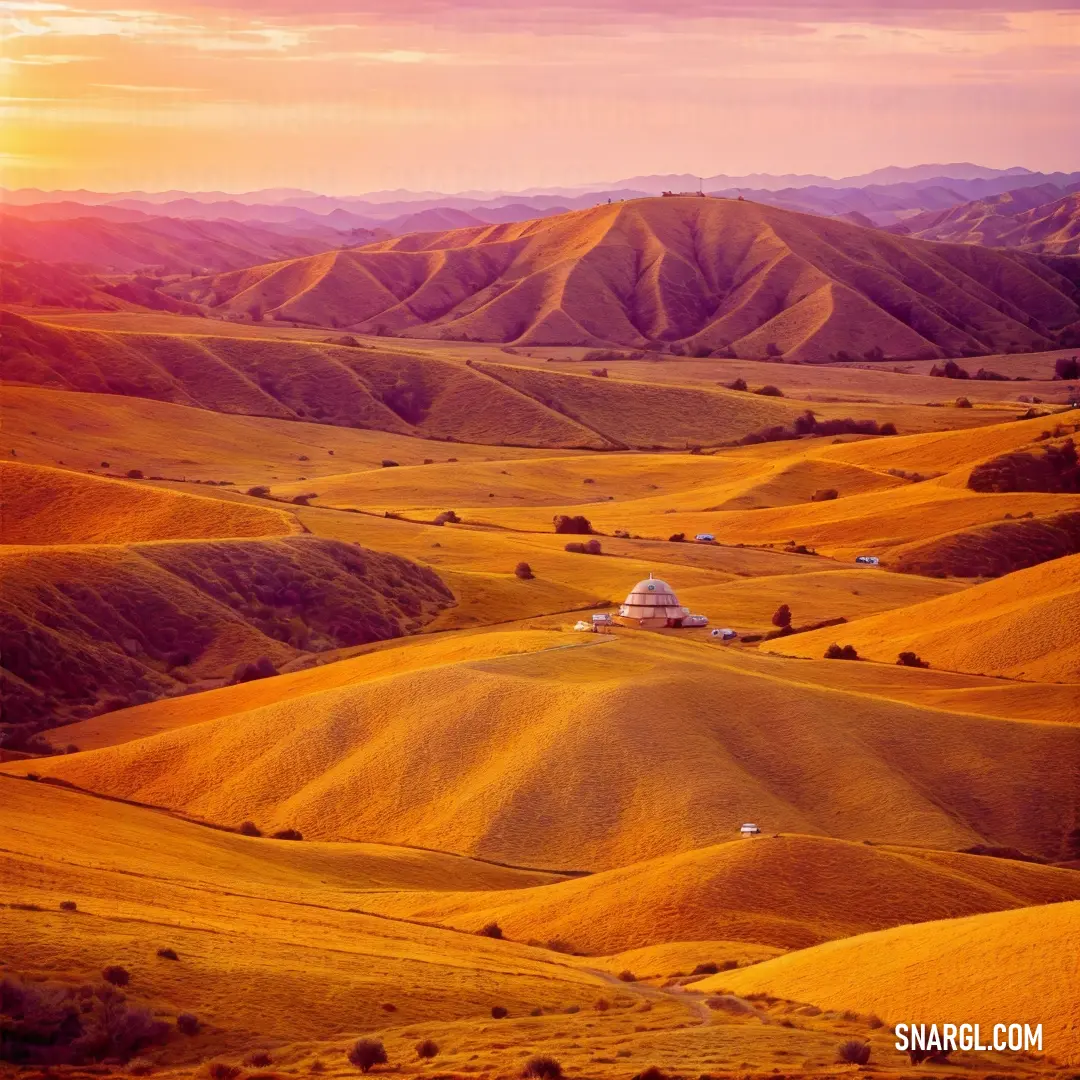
(652, 604)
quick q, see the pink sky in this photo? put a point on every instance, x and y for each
(341, 96)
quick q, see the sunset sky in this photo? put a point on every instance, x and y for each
(345, 97)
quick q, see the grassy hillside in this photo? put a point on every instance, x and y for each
(98, 627)
(715, 273)
(1015, 626)
(591, 753)
(1015, 966)
(43, 506)
(789, 892)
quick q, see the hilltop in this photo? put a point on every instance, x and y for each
(711, 273)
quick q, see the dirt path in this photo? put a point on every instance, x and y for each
(689, 998)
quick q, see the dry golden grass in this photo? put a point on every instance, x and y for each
(788, 892)
(55, 506)
(1009, 966)
(590, 752)
(81, 430)
(1017, 626)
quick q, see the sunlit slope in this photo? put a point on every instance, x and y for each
(86, 431)
(271, 917)
(712, 272)
(787, 891)
(597, 752)
(1020, 626)
(1002, 967)
(286, 379)
(57, 506)
(98, 627)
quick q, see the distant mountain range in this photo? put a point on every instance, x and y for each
(715, 275)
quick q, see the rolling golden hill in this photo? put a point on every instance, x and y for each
(592, 753)
(43, 506)
(96, 627)
(713, 273)
(1016, 626)
(1001, 967)
(789, 892)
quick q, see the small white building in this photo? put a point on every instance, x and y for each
(868, 560)
(749, 829)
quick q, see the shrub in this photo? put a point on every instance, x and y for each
(709, 968)
(653, 1072)
(260, 491)
(427, 1048)
(135, 474)
(288, 834)
(188, 1023)
(737, 384)
(576, 523)
(601, 1004)
(874, 1021)
(592, 547)
(249, 828)
(542, 1067)
(853, 1052)
(388, 464)
(167, 954)
(105, 465)
(560, 946)
(599, 373)
(492, 929)
(836, 652)
(116, 975)
(263, 668)
(782, 616)
(447, 516)
(498, 1012)
(220, 1070)
(388, 1006)
(772, 349)
(575, 548)
(962, 403)
(918, 1056)
(824, 495)
(365, 1054)
(768, 390)
(523, 570)
(677, 538)
(68, 905)
(888, 428)
(951, 370)
(258, 1059)
(627, 976)
(1067, 367)
(910, 659)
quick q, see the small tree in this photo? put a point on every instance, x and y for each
(523, 570)
(167, 954)
(365, 1054)
(387, 463)
(888, 428)
(427, 1048)
(782, 616)
(288, 834)
(677, 538)
(498, 1012)
(592, 547)
(601, 1004)
(824, 495)
(627, 976)
(135, 474)
(737, 384)
(542, 1067)
(910, 659)
(837, 652)
(577, 523)
(963, 403)
(260, 491)
(768, 390)
(1067, 367)
(249, 828)
(447, 516)
(492, 930)
(853, 1052)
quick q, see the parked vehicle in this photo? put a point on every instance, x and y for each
(724, 635)
(705, 538)
(869, 560)
(695, 620)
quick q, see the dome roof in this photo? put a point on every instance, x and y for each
(651, 598)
